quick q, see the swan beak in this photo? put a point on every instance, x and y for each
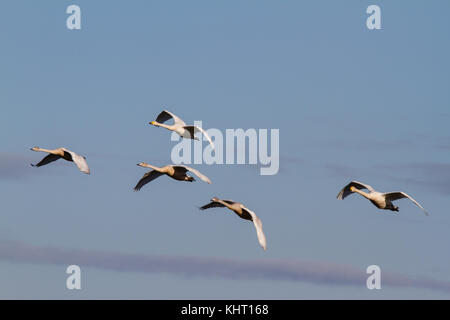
(352, 189)
(152, 122)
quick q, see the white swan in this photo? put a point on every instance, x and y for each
(243, 213)
(179, 126)
(177, 172)
(62, 153)
(380, 200)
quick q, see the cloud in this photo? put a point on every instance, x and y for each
(433, 176)
(442, 144)
(373, 144)
(13, 166)
(339, 170)
(414, 141)
(288, 270)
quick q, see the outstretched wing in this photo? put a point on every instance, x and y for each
(149, 176)
(166, 115)
(48, 159)
(214, 204)
(392, 196)
(259, 228)
(195, 129)
(80, 161)
(196, 172)
(358, 185)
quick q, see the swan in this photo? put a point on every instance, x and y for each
(177, 172)
(62, 153)
(243, 213)
(380, 200)
(180, 127)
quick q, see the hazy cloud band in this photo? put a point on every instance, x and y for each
(287, 270)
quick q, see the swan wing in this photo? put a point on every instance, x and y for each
(358, 185)
(195, 129)
(392, 196)
(214, 204)
(166, 115)
(259, 228)
(80, 161)
(149, 176)
(47, 159)
(196, 172)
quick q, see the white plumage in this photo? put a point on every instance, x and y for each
(380, 200)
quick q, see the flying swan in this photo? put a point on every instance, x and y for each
(380, 200)
(179, 126)
(243, 213)
(177, 172)
(62, 153)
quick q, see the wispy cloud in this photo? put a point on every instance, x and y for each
(442, 144)
(288, 270)
(13, 166)
(414, 141)
(430, 175)
(359, 144)
(344, 171)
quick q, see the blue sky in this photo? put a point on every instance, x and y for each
(350, 103)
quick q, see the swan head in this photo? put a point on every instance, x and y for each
(215, 199)
(352, 189)
(35, 149)
(142, 164)
(154, 123)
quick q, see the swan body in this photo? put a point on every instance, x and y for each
(180, 127)
(243, 212)
(62, 153)
(378, 199)
(177, 172)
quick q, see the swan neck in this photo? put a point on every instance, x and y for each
(162, 125)
(151, 167)
(225, 204)
(365, 195)
(46, 150)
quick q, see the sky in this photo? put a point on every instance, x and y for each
(350, 104)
